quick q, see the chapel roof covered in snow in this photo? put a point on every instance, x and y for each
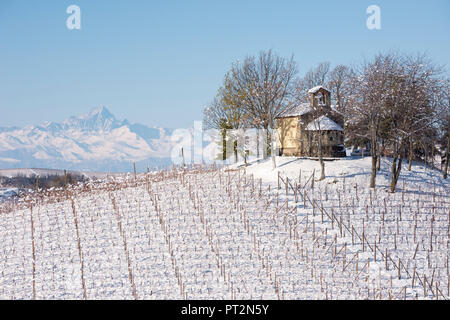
(324, 123)
(316, 89)
(302, 109)
(297, 110)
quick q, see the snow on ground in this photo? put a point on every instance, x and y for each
(222, 234)
(420, 203)
(353, 169)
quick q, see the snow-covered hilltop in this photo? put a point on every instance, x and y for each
(95, 141)
(355, 170)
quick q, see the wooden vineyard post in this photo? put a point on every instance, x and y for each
(182, 155)
(260, 187)
(65, 183)
(135, 175)
(304, 198)
(375, 250)
(80, 254)
(33, 252)
(357, 261)
(363, 247)
(313, 208)
(332, 218)
(437, 291)
(287, 185)
(278, 180)
(295, 192)
(386, 258)
(424, 285)
(321, 211)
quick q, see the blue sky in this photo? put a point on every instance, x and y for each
(160, 62)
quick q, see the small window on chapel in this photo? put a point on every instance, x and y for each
(331, 138)
(320, 99)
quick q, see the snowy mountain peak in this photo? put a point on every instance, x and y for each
(99, 112)
(94, 141)
(98, 119)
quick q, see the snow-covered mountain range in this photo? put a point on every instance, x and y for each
(95, 141)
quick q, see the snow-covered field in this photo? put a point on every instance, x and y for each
(232, 234)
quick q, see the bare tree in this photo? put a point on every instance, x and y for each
(342, 87)
(314, 77)
(367, 104)
(413, 101)
(225, 113)
(216, 117)
(317, 76)
(444, 126)
(264, 87)
(445, 170)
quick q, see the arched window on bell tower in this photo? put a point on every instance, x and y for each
(320, 98)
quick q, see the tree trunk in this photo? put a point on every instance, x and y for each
(411, 150)
(446, 159)
(432, 155)
(224, 144)
(425, 155)
(274, 162)
(373, 174)
(310, 144)
(322, 170)
(272, 149)
(236, 151)
(395, 171)
(378, 157)
(257, 143)
(268, 142)
(373, 152)
(322, 164)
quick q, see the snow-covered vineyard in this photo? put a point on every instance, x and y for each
(237, 233)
